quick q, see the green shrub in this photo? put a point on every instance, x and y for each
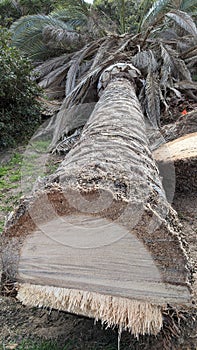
(19, 110)
(31, 7)
(11, 10)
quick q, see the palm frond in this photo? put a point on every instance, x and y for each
(27, 34)
(59, 38)
(183, 20)
(186, 85)
(88, 51)
(158, 8)
(91, 77)
(152, 101)
(166, 68)
(144, 60)
(103, 48)
(185, 44)
(39, 21)
(191, 52)
(191, 62)
(74, 17)
(78, 5)
(70, 119)
(50, 65)
(55, 77)
(80, 91)
(77, 22)
(180, 70)
(188, 6)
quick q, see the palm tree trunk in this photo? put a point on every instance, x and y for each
(100, 238)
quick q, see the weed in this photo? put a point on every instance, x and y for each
(9, 183)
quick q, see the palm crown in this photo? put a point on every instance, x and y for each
(165, 53)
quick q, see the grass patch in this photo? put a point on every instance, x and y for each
(32, 345)
(51, 345)
(9, 186)
(10, 176)
(19, 174)
(1, 225)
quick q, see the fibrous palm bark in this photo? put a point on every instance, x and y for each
(100, 238)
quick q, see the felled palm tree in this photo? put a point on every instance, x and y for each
(99, 237)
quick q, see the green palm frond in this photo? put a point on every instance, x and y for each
(158, 8)
(188, 6)
(39, 21)
(72, 16)
(27, 34)
(183, 20)
(77, 12)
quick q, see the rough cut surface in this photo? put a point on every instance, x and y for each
(109, 175)
(181, 156)
(184, 125)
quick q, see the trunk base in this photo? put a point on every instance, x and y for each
(136, 316)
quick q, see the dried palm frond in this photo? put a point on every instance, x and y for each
(185, 44)
(191, 52)
(162, 64)
(43, 69)
(186, 85)
(88, 51)
(55, 77)
(60, 38)
(65, 145)
(178, 66)
(190, 58)
(103, 49)
(85, 82)
(68, 120)
(166, 68)
(152, 99)
(191, 62)
(143, 60)
(184, 20)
